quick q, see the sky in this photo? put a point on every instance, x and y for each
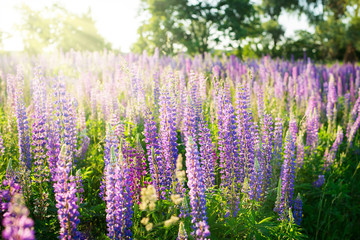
(116, 20)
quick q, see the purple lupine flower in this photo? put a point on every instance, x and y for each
(287, 179)
(229, 161)
(293, 128)
(189, 122)
(8, 189)
(312, 131)
(256, 182)
(356, 108)
(79, 187)
(300, 153)
(111, 140)
(70, 129)
(65, 117)
(114, 136)
(156, 164)
(156, 91)
(62, 129)
(110, 179)
(202, 87)
(11, 93)
(16, 222)
(168, 136)
(266, 151)
(2, 148)
(22, 123)
(82, 120)
(118, 198)
(319, 182)
(65, 189)
(93, 103)
(244, 128)
(197, 191)
(135, 158)
(230, 169)
(182, 235)
(331, 99)
(207, 153)
(84, 146)
(353, 129)
(331, 155)
(39, 127)
(260, 101)
(278, 135)
(53, 147)
(194, 94)
(298, 210)
(180, 188)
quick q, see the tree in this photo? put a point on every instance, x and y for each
(163, 30)
(238, 19)
(194, 26)
(55, 27)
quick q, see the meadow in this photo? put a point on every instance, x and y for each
(111, 146)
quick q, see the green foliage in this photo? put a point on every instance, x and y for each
(250, 30)
(55, 27)
(179, 25)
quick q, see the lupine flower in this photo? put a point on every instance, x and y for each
(189, 122)
(230, 166)
(156, 163)
(353, 129)
(168, 137)
(84, 146)
(66, 197)
(16, 222)
(197, 192)
(312, 131)
(194, 93)
(260, 101)
(118, 198)
(244, 128)
(22, 123)
(156, 91)
(63, 127)
(2, 148)
(319, 182)
(229, 160)
(38, 127)
(331, 155)
(256, 182)
(93, 103)
(180, 188)
(111, 140)
(293, 128)
(207, 154)
(8, 189)
(331, 99)
(182, 235)
(298, 210)
(300, 152)
(266, 151)
(53, 148)
(135, 158)
(287, 179)
(11, 93)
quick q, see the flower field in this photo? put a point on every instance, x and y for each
(107, 146)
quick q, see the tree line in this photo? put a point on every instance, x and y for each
(250, 29)
(246, 28)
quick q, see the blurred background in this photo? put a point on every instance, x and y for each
(325, 30)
